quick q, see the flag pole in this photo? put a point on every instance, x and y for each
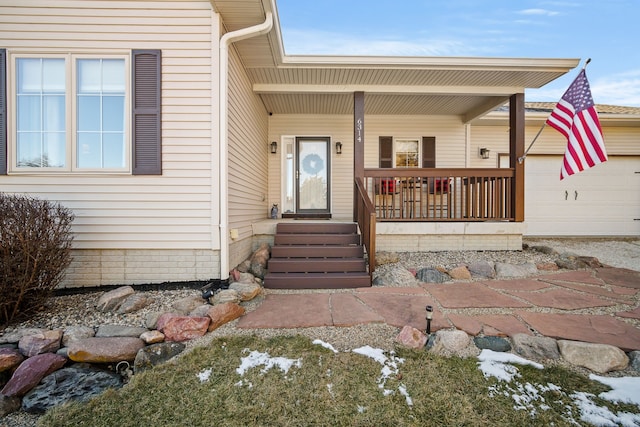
(524, 156)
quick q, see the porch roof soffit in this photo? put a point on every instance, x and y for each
(323, 84)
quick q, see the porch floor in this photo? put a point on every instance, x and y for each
(516, 303)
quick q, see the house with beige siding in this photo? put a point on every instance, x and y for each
(171, 128)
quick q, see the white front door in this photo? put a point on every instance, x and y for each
(312, 175)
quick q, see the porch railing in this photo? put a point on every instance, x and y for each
(365, 216)
(423, 195)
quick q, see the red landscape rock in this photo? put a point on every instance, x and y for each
(31, 371)
(183, 328)
(45, 342)
(411, 337)
(223, 313)
(9, 358)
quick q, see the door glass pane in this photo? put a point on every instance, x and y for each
(313, 175)
(289, 177)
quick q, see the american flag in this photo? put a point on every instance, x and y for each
(576, 118)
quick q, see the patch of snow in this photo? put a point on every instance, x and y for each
(325, 345)
(625, 389)
(204, 375)
(601, 416)
(257, 358)
(403, 391)
(376, 354)
(498, 364)
(389, 369)
(529, 396)
(361, 409)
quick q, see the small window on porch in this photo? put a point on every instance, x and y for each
(407, 152)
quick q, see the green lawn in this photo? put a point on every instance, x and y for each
(323, 388)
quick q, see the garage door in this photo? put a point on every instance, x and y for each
(601, 201)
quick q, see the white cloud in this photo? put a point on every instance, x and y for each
(310, 42)
(617, 89)
(539, 12)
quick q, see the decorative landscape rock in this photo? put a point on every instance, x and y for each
(450, 342)
(152, 337)
(109, 331)
(79, 382)
(460, 273)
(515, 270)
(482, 269)
(223, 313)
(30, 372)
(134, 303)
(383, 258)
(492, 343)
(105, 350)
(113, 299)
(155, 354)
(74, 333)
(200, 311)
(9, 358)
(601, 358)
(8, 404)
(183, 328)
(45, 342)
(225, 295)
(432, 275)
(573, 261)
(533, 347)
(185, 305)
(258, 261)
(246, 291)
(395, 274)
(411, 337)
(634, 360)
(15, 336)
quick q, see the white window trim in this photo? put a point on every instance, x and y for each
(412, 139)
(70, 114)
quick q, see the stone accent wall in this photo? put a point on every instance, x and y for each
(96, 267)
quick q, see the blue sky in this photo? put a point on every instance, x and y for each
(608, 32)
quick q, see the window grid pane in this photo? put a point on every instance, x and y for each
(41, 112)
(100, 117)
(407, 153)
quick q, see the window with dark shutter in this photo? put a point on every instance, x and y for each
(386, 151)
(428, 151)
(3, 111)
(146, 120)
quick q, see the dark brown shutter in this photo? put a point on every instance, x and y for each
(386, 152)
(428, 151)
(146, 129)
(3, 111)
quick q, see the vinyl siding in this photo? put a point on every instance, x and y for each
(171, 211)
(448, 130)
(618, 141)
(247, 151)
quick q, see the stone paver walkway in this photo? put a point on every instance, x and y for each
(598, 306)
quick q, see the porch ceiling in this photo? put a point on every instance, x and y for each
(468, 87)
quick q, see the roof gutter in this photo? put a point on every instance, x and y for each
(225, 41)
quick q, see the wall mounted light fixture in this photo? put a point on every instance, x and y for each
(484, 153)
(338, 147)
(274, 147)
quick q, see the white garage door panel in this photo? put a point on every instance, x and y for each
(601, 201)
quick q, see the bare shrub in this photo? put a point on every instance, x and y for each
(35, 250)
